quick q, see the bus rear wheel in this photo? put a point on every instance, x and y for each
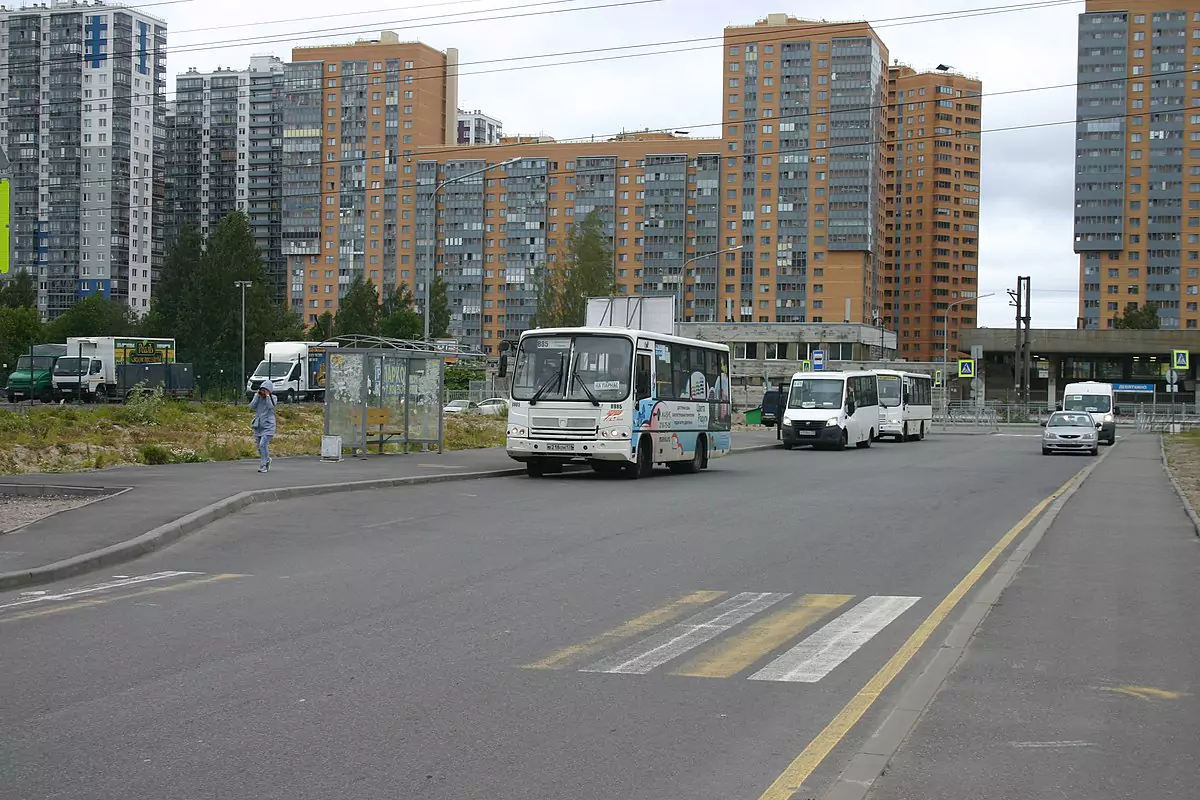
(698, 461)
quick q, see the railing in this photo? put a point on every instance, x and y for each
(1167, 419)
(965, 416)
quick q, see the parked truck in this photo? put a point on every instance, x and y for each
(296, 369)
(99, 368)
(33, 377)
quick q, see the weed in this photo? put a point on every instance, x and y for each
(155, 454)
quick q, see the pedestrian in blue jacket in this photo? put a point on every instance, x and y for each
(263, 426)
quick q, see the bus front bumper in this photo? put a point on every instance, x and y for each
(801, 435)
(523, 449)
(891, 428)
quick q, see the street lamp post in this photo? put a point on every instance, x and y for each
(243, 285)
(946, 346)
(683, 279)
(431, 270)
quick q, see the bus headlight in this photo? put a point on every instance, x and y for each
(1108, 417)
(615, 433)
(831, 422)
(517, 430)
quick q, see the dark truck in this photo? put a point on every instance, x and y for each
(33, 377)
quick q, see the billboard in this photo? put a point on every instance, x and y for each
(144, 351)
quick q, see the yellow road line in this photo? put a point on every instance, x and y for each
(792, 778)
(761, 638)
(100, 601)
(639, 625)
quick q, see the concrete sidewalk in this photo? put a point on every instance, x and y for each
(161, 496)
(1083, 681)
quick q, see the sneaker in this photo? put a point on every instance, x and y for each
(262, 469)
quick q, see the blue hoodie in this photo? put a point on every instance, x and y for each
(264, 411)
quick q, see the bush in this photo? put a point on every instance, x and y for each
(155, 454)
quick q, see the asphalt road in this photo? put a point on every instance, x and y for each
(507, 638)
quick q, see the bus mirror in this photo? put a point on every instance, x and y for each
(503, 370)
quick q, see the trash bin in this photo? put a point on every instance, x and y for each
(754, 416)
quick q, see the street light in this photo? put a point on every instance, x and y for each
(433, 224)
(946, 344)
(243, 285)
(683, 279)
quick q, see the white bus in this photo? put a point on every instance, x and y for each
(619, 399)
(905, 404)
(1097, 399)
(831, 409)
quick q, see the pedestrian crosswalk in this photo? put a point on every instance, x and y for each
(717, 634)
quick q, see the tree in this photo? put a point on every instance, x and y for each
(322, 329)
(1138, 319)
(439, 310)
(399, 320)
(585, 269)
(19, 329)
(19, 292)
(358, 310)
(95, 315)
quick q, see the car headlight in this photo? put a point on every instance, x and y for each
(517, 430)
(831, 422)
(615, 433)
(1108, 417)
(1048, 435)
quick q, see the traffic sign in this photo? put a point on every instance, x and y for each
(806, 366)
(1172, 377)
(818, 360)
(937, 377)
(976, 351)
(1180, 359)
(966, 368)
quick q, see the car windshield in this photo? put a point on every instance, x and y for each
(39, 362)
(890, 390)
(457, 404)
(816, 393)
(573, 367)
(273, 369)
(1095, 403)
(71, 366)
(1070, 421)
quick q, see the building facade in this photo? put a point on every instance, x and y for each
(82, 111)
(931, 261)
(353, 117)
(1137, 176)
(225, 153)
(475, 127)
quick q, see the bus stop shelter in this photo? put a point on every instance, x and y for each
(387, 392)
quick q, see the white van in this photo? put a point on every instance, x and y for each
(1097, 399)
(831, 409)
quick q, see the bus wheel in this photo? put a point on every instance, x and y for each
(844, 441)
(787, 445)
(534, 468)
(606, 468)
(698, 462)
(921, 435)
(904, 437)
(863, 445)
(645, 460)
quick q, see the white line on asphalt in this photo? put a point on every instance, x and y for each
(819, 654)
(100, 587)
(656, 650)
(1051, 744)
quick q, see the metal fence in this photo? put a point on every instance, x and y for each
(1167, 419)
(964, 415)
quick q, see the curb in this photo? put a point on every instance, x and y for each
(201, 518)
(1183, 498)
(876, 752)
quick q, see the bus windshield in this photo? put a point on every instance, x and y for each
(890, 390)
(587, 367)
(1095, 403)
(816, 393)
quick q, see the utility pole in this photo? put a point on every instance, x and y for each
(1015, 300)
(1026, 345)
(1021, 347)
(243, 285)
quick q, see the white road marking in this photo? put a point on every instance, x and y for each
(1035, 745)
(820, 653)
(100, 587)
(656, 650)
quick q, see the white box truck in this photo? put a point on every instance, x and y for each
(296, 369)
(99, 368)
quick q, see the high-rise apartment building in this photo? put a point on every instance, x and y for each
(1137, 162)
(353, 118)
(931, 264)
(82, 104)
(225, 148)
(476, 127)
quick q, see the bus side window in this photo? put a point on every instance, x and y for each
(642, 381)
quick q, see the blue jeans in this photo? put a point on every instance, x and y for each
(264, 454)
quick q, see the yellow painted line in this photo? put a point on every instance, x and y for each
(792, 778)
(100, 601)
(634, 627)
(763, 637)
(1145, 692)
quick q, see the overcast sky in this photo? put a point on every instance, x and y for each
(1027, 174)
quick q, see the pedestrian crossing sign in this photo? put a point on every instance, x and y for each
(1179, 359)
(966, 368)
(937, 377)
(806, 366)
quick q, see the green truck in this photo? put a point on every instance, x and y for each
(33, 377)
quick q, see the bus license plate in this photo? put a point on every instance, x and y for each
(806, 433)
(561, 448)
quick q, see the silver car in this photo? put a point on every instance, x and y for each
(1070, 432)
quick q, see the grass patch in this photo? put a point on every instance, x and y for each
(156, 430)
(1183, 459)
